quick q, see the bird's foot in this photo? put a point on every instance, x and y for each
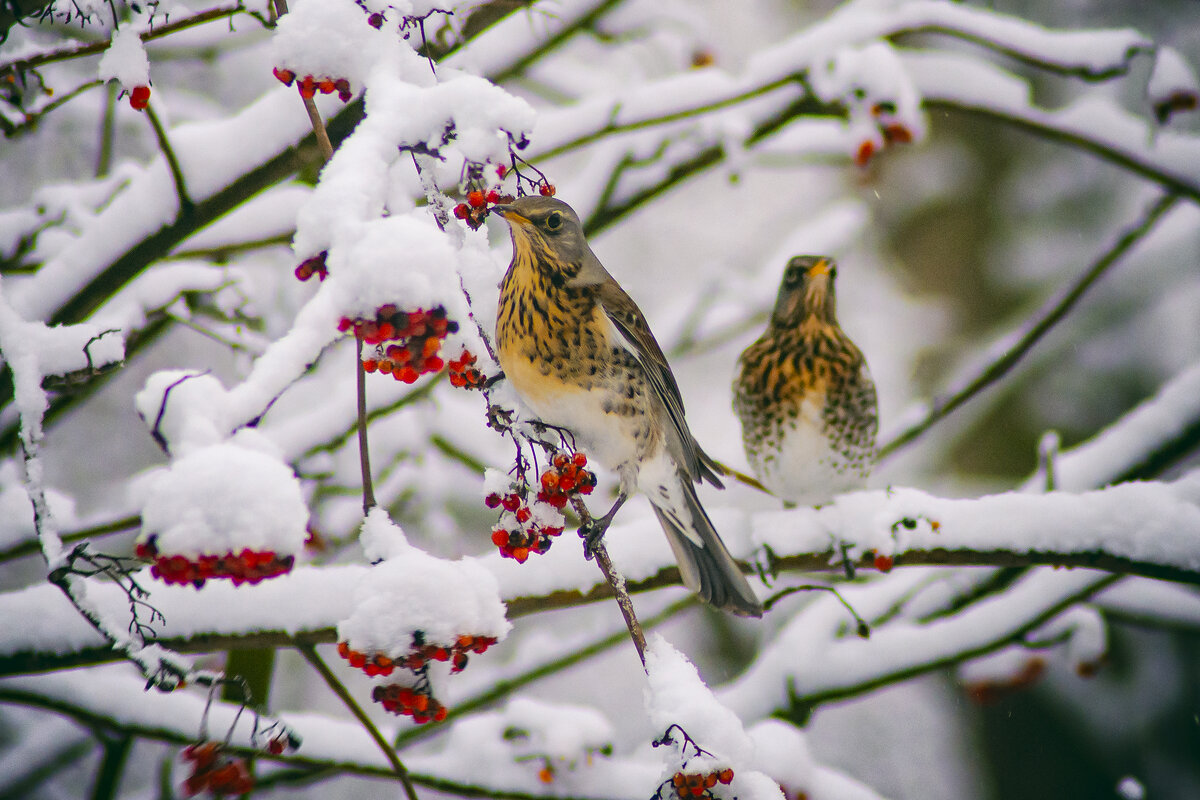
(592, 531)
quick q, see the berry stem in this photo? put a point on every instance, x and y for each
(310, 105)
(364, 457)
(310, 655)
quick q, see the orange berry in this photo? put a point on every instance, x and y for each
(884, 563)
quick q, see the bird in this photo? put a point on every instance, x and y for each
(580, 354)
(804, 395)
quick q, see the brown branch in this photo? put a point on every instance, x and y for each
(1043, 324)
(364, 454)
(814, 562)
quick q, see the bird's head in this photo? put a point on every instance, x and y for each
(806, 291)
(547, 232)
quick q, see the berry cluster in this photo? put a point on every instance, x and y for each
(419, 656)
(409, 701)
(699, 784)
(991, 691)
(893, 131)
(566, 477)
(407, 342)
(309, 86)
(463, 373)
(215, 771)
(480, 202)
(519, 531)
(139, 98)
(314, 266)
(248, 566)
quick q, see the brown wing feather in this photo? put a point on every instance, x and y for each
(628, 320)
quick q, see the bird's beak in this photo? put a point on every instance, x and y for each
(510, 214)
(819, 268)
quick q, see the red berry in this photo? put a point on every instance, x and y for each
(864, 153)
(476, 199)
(285, 76)
(492, 500)
(883, 563)
(375, 20)
(461, 211)
(897, 133)
(308, 87)
(370, 364)
(725, 776)
(493, 197)
(523, 515)
(546, 190)
(326, 86)
(139, 98)
(501, 171)
(579, 460)
(343, 89)
(500, 537)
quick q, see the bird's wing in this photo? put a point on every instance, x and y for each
(629, 322)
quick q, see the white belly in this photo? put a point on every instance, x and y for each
(805, 469)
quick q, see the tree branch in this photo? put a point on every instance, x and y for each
(1042, 324)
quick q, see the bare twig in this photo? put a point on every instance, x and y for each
(310, 655)
(185, 203)
(364, 456)
(1043, 323)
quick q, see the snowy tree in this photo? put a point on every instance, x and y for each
(274, 521)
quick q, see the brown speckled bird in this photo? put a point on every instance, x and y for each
(579, 353)
(804, 395)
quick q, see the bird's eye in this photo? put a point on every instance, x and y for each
(554, 221)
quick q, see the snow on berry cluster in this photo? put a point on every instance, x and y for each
(227, 510)
(529, 527)
(310, 85)
(883, 103)
(214, 770)
(407, 343)
(416, 618)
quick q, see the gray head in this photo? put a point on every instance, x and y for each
(806, 291)
(548, 231)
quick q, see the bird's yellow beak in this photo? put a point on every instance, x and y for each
(510, 214)
(819, 268)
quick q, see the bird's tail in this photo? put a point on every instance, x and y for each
(706, 566)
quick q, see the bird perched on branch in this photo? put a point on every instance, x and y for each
(804, 394)
(579, 353)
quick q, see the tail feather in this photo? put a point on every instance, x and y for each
(706, 566)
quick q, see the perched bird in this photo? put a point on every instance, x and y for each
(580, 354)
(804, 395)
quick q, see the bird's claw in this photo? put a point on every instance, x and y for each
(592, 534)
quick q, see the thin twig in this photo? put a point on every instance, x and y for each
(185, 203)
(1043, 324)
(364, 456)
(310, 655)
(864, 630)
(318, 126)
(30, 546)
(616, 581)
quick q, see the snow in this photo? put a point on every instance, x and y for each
(125, 60)
(410, 591)
(1172, 80)
(225, 497)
